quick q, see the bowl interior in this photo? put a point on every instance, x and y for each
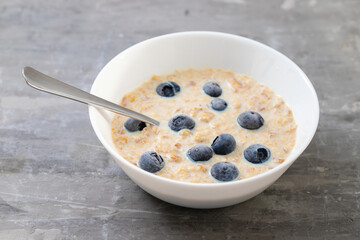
(200, 50)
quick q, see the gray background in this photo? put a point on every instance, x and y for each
(58, 182)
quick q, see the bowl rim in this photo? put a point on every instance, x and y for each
(285, 164)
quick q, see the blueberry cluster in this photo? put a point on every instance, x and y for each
(213, 89)
(223, 144)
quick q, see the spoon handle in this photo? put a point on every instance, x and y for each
(48, 84)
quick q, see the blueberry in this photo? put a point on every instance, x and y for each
(133, 125)
(181, 122)
(224, 144)
(151, 161)
(167, 89)
(224, 171)
(218, 104)
(250, 120)
(212, 89)
(257, 153)
(200, 153)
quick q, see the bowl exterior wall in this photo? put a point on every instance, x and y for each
(210, 196)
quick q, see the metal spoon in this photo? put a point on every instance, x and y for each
(48, 84)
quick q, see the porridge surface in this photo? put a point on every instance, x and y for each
(241, 93)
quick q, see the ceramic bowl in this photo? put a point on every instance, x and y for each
(198, 50)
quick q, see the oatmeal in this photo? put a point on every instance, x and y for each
(214, 126)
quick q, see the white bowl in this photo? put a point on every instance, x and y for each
(180, 51)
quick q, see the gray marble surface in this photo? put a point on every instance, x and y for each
(58, 182)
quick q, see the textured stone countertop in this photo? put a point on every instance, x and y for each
(58, 182)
